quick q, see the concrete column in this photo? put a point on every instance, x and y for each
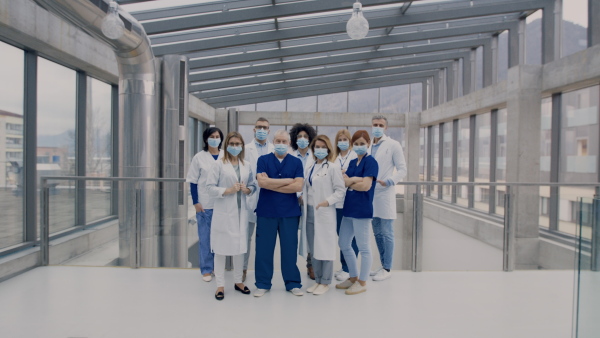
(593, 22)
(488, 64)
(221, 120)
(451, 86)
(469, 71)
(424, 94)
(442, 85)
(516, 44)
(232, 120)
(551, 31)
(523, 152)
(412, 126)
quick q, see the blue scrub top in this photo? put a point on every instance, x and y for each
(272, 203)
(359, 204)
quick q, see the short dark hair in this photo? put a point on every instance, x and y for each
(263, 120)
(296, 129)
(209, 131)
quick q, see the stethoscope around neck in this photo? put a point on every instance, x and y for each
(313, 168)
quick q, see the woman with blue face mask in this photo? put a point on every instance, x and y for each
(196, 176)
(323, 188)
(360, 179)
(229, 182)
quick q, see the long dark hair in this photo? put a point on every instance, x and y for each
(209, 131)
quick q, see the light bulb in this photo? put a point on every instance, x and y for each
(357, 27)
(112, 25)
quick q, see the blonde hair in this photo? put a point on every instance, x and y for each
(342, 132)
(330, 151)
(227, 157)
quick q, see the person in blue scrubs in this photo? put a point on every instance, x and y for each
(360, 178)
(280, 176)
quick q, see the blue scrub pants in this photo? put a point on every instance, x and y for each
(383, 230)
(205, 255)
(339, 214)
(356, 228)
(267, 229)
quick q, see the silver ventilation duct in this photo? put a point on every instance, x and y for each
(139, 129)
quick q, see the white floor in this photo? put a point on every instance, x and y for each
(120, 302)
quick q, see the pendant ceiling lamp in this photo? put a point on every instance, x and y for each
(112, 25)
(357, 27)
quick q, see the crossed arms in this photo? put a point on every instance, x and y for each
(358, 183)
(282, 185)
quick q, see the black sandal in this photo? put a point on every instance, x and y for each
(220, 295)
(245, 291)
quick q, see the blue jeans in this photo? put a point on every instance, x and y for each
(357, 228)
(205, 255)
(383, 229)
(267, 229)
(339, 214)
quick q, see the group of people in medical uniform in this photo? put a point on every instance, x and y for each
(332, 190)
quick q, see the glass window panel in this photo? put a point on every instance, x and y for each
(482, 160)
(464, 136)
(422, 153)
(578, 149)
(435, 160)
(98, 149)
(271, 106)
(56, 139)
(447, 150)
(545, 151)
(533, 39)
(363, 101)
(11, 144)
(501, 144)
(502, 56)
(332, 103)
(330, 131)
(479, 67)
(574, 26)
(416, 95)
(394, 99)
(303, 104)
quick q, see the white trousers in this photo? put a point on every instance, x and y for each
(238, 265)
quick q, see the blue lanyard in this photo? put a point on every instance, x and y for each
(310, 175)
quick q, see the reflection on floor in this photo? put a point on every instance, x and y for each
(122, 302)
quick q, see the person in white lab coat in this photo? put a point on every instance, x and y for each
(390, 157)
(323, 188)
(261, 146)
(301, 136)
(229, 181)
(344, 154)
(196, 177)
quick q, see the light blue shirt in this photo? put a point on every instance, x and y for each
(303, 159)
(262, 149)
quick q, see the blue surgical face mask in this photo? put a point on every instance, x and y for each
(235, 151)
(214, 142)
(343, 145)
(377, 132)
(281, 149)
(360, 150)
(302, 143)
(321, 153)
(261, 134)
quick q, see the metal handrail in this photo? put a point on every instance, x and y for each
(45, 210)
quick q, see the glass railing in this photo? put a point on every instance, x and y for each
(587, 273)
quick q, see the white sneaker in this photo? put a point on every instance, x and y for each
(356, 288)
(297, 292)
(383, 274)
(207, 278)
(321, 289)
(344, 285)
(312, 288)
(343, 275)
(373, 273)
(260, 292)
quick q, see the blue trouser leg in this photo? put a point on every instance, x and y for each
(383, 230)
(205, 255)
(359, 229)
(266, 236)
(339, 214)
(288, 243)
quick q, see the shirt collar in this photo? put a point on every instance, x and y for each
(300, 155)
(260, 145)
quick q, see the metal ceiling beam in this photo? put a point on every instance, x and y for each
(331, 90)
(326, 79)
(342, 84)
(350, 44)
(416, 62)
(370, 55)
(335, 28)
(270, 11)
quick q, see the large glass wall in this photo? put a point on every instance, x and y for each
(501, 145)
(462, 152)
(11, 145)
(574, 26)
(98, 149)
(56, 138)
(364, 101)
(545, 157)
(482, 161)
(447, 151)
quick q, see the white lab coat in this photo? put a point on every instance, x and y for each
(198, 173)
(229, 230)
(327, 184)
(344, 166)
(389, 156)
(251, 156)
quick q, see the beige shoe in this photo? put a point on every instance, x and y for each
(345, 284)
(312, 288)
(207, 277)
(321, 289)
(356, 288)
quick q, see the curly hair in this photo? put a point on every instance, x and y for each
(296, 129)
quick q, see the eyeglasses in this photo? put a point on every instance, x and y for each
(261, 127)
(235, 144)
